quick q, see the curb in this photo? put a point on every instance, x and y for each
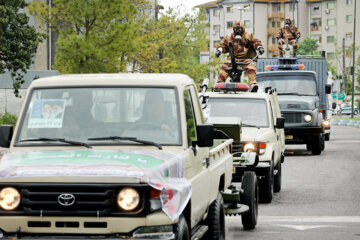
(346, 122)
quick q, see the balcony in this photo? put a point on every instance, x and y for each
(272, 31)
(276, 15)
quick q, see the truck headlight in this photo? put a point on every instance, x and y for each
(307, 118)
(128, 199)
(249, 147)
(9, 198)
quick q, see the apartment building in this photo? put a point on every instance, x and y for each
(328, 21)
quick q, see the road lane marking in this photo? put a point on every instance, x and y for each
(306, 227)
(303, 219)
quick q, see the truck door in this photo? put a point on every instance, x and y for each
(196, 167)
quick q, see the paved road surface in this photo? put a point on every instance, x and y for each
(320, 196)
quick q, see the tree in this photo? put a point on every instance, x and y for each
(94, 35)
(308, 46)
(18, 41)
(172, 45)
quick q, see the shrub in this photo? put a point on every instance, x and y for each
(8, 119)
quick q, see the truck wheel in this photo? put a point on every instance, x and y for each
(250, 197)
(266, 185)
(317, 145)
(181, 229)
(308, 146)
(277, 178)
(355, 112)
(322, 143)
(327, 137)
(216, 220)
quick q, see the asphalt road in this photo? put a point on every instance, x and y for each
(320, 196)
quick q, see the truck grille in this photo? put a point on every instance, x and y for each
(293, 117)
(77, 200)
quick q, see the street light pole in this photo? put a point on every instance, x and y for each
(353, 67)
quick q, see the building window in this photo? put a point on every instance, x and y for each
(229, 9)
(330, 5)
(291, 7)
(247, 23)
(330, 39)
(229, 24)
(216, 29)
(273, 40)
(316, 9)
(273, 24)
(315, 24)
(331, 22)
(216, 44)
(330, 55)
(276, 7)
(216, 12)
(349, 18)
(348, 36)
(348, 2)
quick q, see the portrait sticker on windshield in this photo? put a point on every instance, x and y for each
(47, 113)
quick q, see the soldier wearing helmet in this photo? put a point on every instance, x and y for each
(244, 43)
(289, 32)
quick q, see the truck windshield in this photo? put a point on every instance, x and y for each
(253, 112)
(116, 115)
(300, 85)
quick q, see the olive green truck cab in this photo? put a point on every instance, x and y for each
(117, 156)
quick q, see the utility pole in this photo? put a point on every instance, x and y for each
(343, 88)
(353, 66)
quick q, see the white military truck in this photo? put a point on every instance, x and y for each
(262, 131)
(117, 156)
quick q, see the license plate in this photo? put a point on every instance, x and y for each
(289, 137)
(234, 169)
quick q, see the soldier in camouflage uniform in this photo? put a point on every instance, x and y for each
(289, 32)
(242, 42)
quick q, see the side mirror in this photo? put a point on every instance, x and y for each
(280, 123)
(205, 135)
(333, 105)
(327, 88)
(6, 133)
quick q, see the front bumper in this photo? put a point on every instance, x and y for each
(301, 135)
(84, 227)
(261, 169)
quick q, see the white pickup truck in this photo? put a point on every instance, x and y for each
(117, 156)
(262, 131)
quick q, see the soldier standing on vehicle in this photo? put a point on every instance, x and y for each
(289, 32)
(245, 44)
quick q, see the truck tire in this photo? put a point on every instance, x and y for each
(266, 185)
(250, 197)
(317, 144)
(277, 178)
(322, 143)
(356, 112)
(181, 229)
(308, 146)
(327, 137)
(216, 220)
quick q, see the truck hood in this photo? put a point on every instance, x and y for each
(294, 102)
(86, 163)
(256, 134)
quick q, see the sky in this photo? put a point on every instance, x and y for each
(186, 5)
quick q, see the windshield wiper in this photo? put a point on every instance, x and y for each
(43, 139)
(133, 139)
(287, 93)
(248, 125)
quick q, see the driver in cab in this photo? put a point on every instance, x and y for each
(154, 115)
(244, 43)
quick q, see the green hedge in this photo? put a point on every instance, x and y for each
(8, 119)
